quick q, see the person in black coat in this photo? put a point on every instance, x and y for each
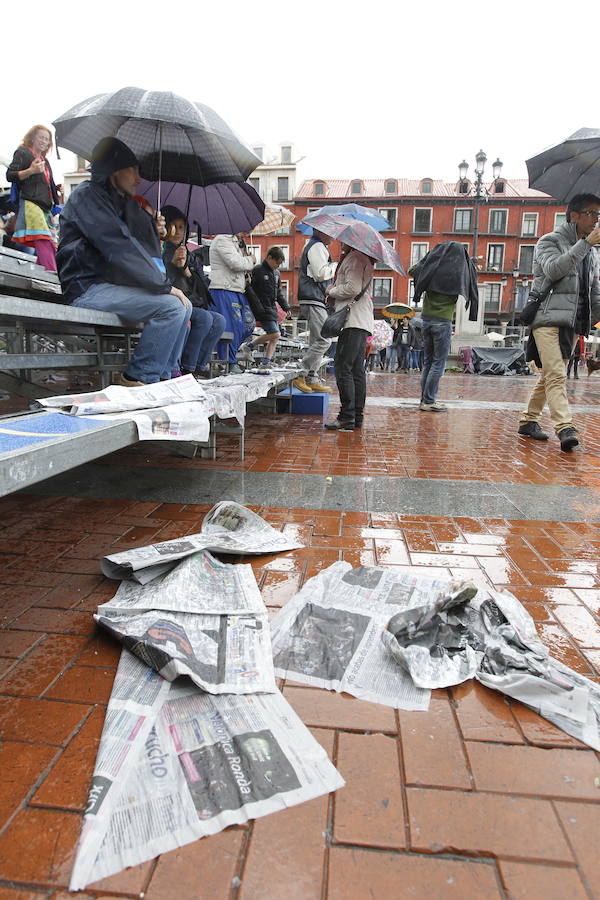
(185, 271)
(38, 195)
(106, 260)
(266, 284)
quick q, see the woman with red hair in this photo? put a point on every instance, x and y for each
(31, 172)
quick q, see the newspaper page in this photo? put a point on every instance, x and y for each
(204, 619)
(231, 393)
(115, 398)
(329, 635)
(228, 527)
(179, 422)
(208, 762)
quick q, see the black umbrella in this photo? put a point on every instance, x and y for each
(173, 138)
(570, 168)
(215, 209)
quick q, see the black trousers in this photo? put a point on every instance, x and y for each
(350, 374)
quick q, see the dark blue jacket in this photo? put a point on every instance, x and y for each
(267, 284)
(105, 238)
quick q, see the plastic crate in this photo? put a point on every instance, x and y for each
(312, 404)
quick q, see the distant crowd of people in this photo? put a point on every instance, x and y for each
(117, 254)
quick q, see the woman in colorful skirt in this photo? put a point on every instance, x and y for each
(31, 172)
(230, 262)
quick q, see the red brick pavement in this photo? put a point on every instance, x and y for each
(478, 797)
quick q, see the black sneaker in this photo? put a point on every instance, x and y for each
(339, 426)
(568, 439)
(533, 430)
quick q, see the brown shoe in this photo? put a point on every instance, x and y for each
(317, 387)
(301, 385)
(127, 382)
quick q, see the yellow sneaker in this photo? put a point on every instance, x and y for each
(301, 385)
(317, 387)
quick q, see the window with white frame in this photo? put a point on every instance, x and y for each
(356, 187)
(285, 290)
(390, 213)
(283, 188)
(491, 296)
(392, 243)
(382, 291)
(495, 256)
(529, 225)
(319, 187)
(526, 259)
(426, 186)
(255, 183)
(498, 220)
(286, 256)
(286, 154)
(462, 219)
(559, 219)
(391, 186)
(417, 252)
(256, 249)
(422, 220)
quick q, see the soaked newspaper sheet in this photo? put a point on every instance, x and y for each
(115, 399)
(229, 527)
(329, 635)
(195, 764)
(488, 635)
(204, 619)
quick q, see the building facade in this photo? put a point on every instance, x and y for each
(500, 229)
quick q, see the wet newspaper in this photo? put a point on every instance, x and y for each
(204, 619)
(229, 527)
(488, 635)
(329, 635)
(176, 764)
(115, 399)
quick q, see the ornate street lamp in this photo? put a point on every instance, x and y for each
(480, 193)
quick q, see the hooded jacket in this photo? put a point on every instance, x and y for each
(196, 286)
(105, 237)
(556, 262)
(447, 269)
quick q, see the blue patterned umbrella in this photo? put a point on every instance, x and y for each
(351, 211)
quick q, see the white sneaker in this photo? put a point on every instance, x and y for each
(432, 407)
(244, 353)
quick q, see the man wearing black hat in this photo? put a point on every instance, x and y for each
(109, 258)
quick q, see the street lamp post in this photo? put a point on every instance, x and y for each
(480, 192)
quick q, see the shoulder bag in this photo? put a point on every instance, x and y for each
(334, 323)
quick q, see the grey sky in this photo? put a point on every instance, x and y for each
(370, 89)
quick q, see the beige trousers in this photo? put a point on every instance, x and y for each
(551, 384)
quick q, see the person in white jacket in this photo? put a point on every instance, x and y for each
(229, 263)
(351, 287)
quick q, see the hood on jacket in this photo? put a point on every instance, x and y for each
(108, 156)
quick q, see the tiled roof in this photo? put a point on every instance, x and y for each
(338, 188)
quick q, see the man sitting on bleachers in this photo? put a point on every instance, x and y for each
(103, 264)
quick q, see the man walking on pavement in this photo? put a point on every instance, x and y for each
(316, 274)
(444, 274)
(566, 273)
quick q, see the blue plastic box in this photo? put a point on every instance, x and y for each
(312, 404)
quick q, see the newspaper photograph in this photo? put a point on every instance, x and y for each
(178, 422)
(329, 634)
(205, 762)
(228, 527)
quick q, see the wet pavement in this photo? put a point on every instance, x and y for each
(478, 797)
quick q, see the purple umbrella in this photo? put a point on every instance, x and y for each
(359, 236)
(215, 209)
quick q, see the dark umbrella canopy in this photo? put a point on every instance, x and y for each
(173, 138)
(570, 168)
(215, 209)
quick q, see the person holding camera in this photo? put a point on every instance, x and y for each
(565, 265)
(230, 263)
(38, 196)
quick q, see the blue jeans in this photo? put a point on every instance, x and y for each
(436, 347)
(416, 359)
(392, 358)
(206, 329)
(165, 326)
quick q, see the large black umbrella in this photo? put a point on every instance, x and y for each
(570, 168)
(173, 138)
(216, 209)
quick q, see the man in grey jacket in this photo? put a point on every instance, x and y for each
(566, 263)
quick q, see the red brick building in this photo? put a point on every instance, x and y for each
(506, 225)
